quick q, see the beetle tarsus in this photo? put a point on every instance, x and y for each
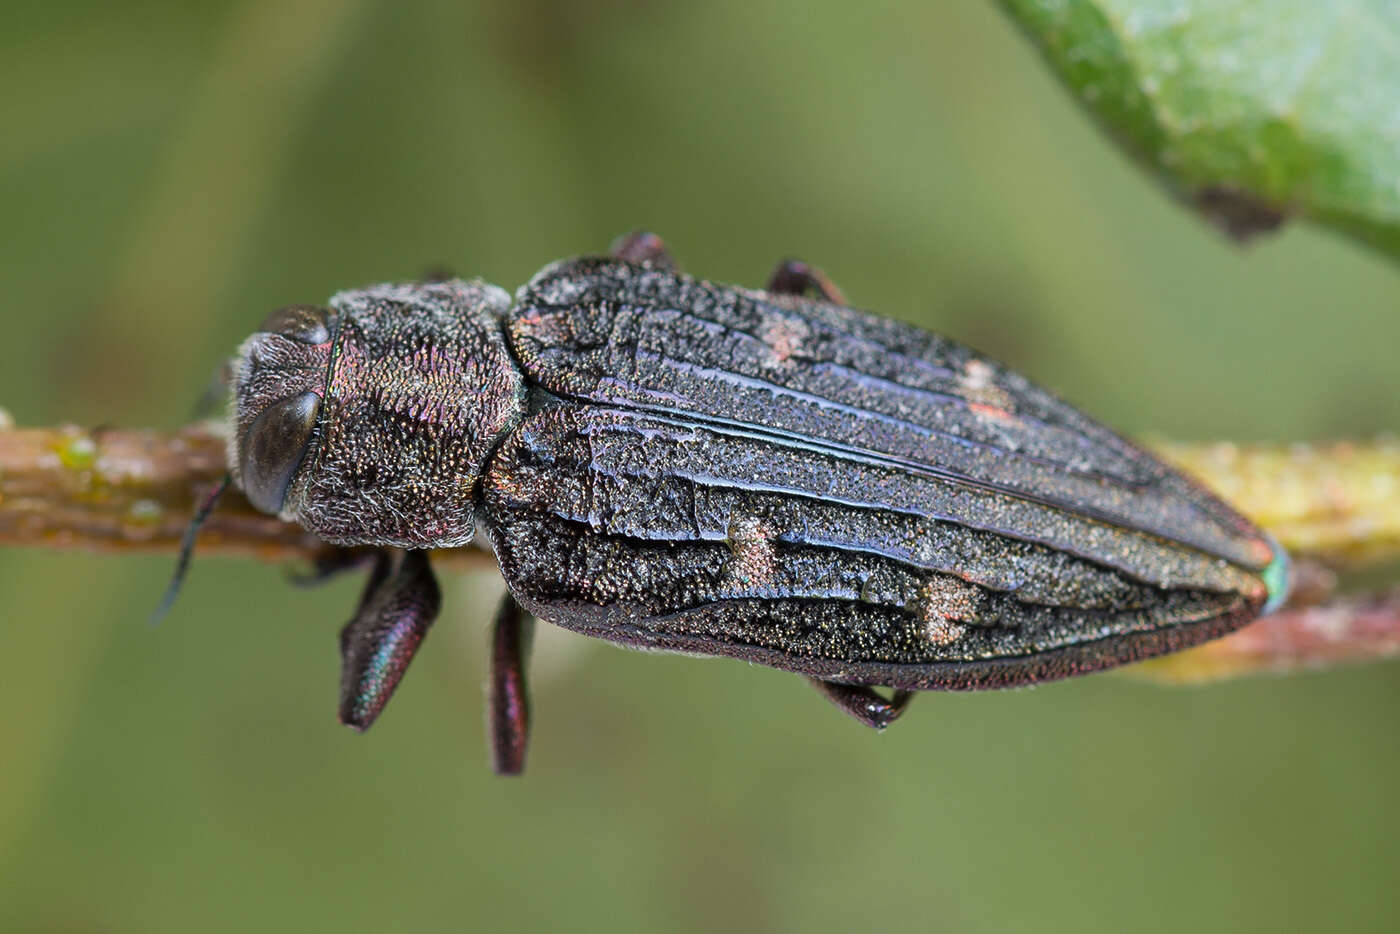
(642, 246)
(400, 602)
(864, 703)
(508, 700)
(794, 277)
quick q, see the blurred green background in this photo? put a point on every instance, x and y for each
(170, 171)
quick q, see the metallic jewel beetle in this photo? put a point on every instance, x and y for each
(668, 463)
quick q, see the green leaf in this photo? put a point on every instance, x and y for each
(1251, 110)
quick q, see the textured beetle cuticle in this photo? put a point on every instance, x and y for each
(754, 557)
(784, 338)
(945, 603)
(979, 387)
(675, 464)
(941, 632)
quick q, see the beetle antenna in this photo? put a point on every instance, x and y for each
(182, 563)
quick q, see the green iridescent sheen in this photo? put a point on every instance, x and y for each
(1276, 577)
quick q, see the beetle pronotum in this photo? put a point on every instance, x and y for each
(673, 464)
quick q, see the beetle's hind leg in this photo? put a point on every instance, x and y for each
(643, 246)
(507, 701)
(864, 703)
(401, 599)
(794, 277)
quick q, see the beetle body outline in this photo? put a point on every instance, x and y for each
(668, 463)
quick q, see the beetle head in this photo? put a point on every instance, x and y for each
(368, 421)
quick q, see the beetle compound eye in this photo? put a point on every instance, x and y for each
(273, 448)
(306, 323)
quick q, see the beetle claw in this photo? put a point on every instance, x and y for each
(864, 703)
(400, 602)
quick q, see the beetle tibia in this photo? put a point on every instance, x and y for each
(400, 602)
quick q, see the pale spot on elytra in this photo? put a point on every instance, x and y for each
(940, 632)
(753, 556)
(945, 603)
(978, 385)
(784, 337)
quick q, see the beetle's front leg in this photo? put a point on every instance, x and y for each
(794, 277)
(400, 601)
(507, 700)
(333, 560)
(864, 703)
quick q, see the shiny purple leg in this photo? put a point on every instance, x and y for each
(508, 701)
(401, 600)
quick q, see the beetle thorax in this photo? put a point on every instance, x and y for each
(414, 388)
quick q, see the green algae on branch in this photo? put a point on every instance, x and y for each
(76, 450)
(1250, 112)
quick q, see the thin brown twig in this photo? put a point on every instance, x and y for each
(1346, 629)
(126, 490)
(1335, 507)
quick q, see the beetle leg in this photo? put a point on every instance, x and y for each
(642, 246)
(400, 602)
(863, 703)
(438, 272)
(794, 277)
(508, 701)
(332, 560)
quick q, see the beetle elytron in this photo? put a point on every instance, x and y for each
(668, 463)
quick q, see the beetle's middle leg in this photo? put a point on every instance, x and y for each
(643, 246)
(333, 560)
(864, 703)
(794, 277)
(507, 701)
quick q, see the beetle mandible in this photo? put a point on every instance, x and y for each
(669, 463)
